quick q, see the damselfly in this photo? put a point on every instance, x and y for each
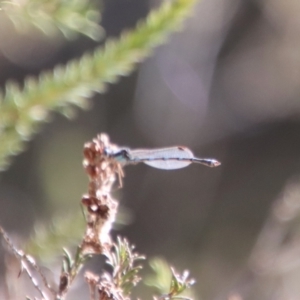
(163, 158)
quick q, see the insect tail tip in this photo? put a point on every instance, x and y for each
(215, 163)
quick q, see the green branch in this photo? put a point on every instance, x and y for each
(22, 110)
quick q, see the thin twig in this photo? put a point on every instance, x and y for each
(25, 261)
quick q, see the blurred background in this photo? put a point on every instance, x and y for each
(226, 86)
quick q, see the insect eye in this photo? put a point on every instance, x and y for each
(125, 153)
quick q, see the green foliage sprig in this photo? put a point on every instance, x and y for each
(69, 17)
(22, 110)
(169, 283)
(123, 261)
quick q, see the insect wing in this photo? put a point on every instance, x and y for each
(164, 158)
